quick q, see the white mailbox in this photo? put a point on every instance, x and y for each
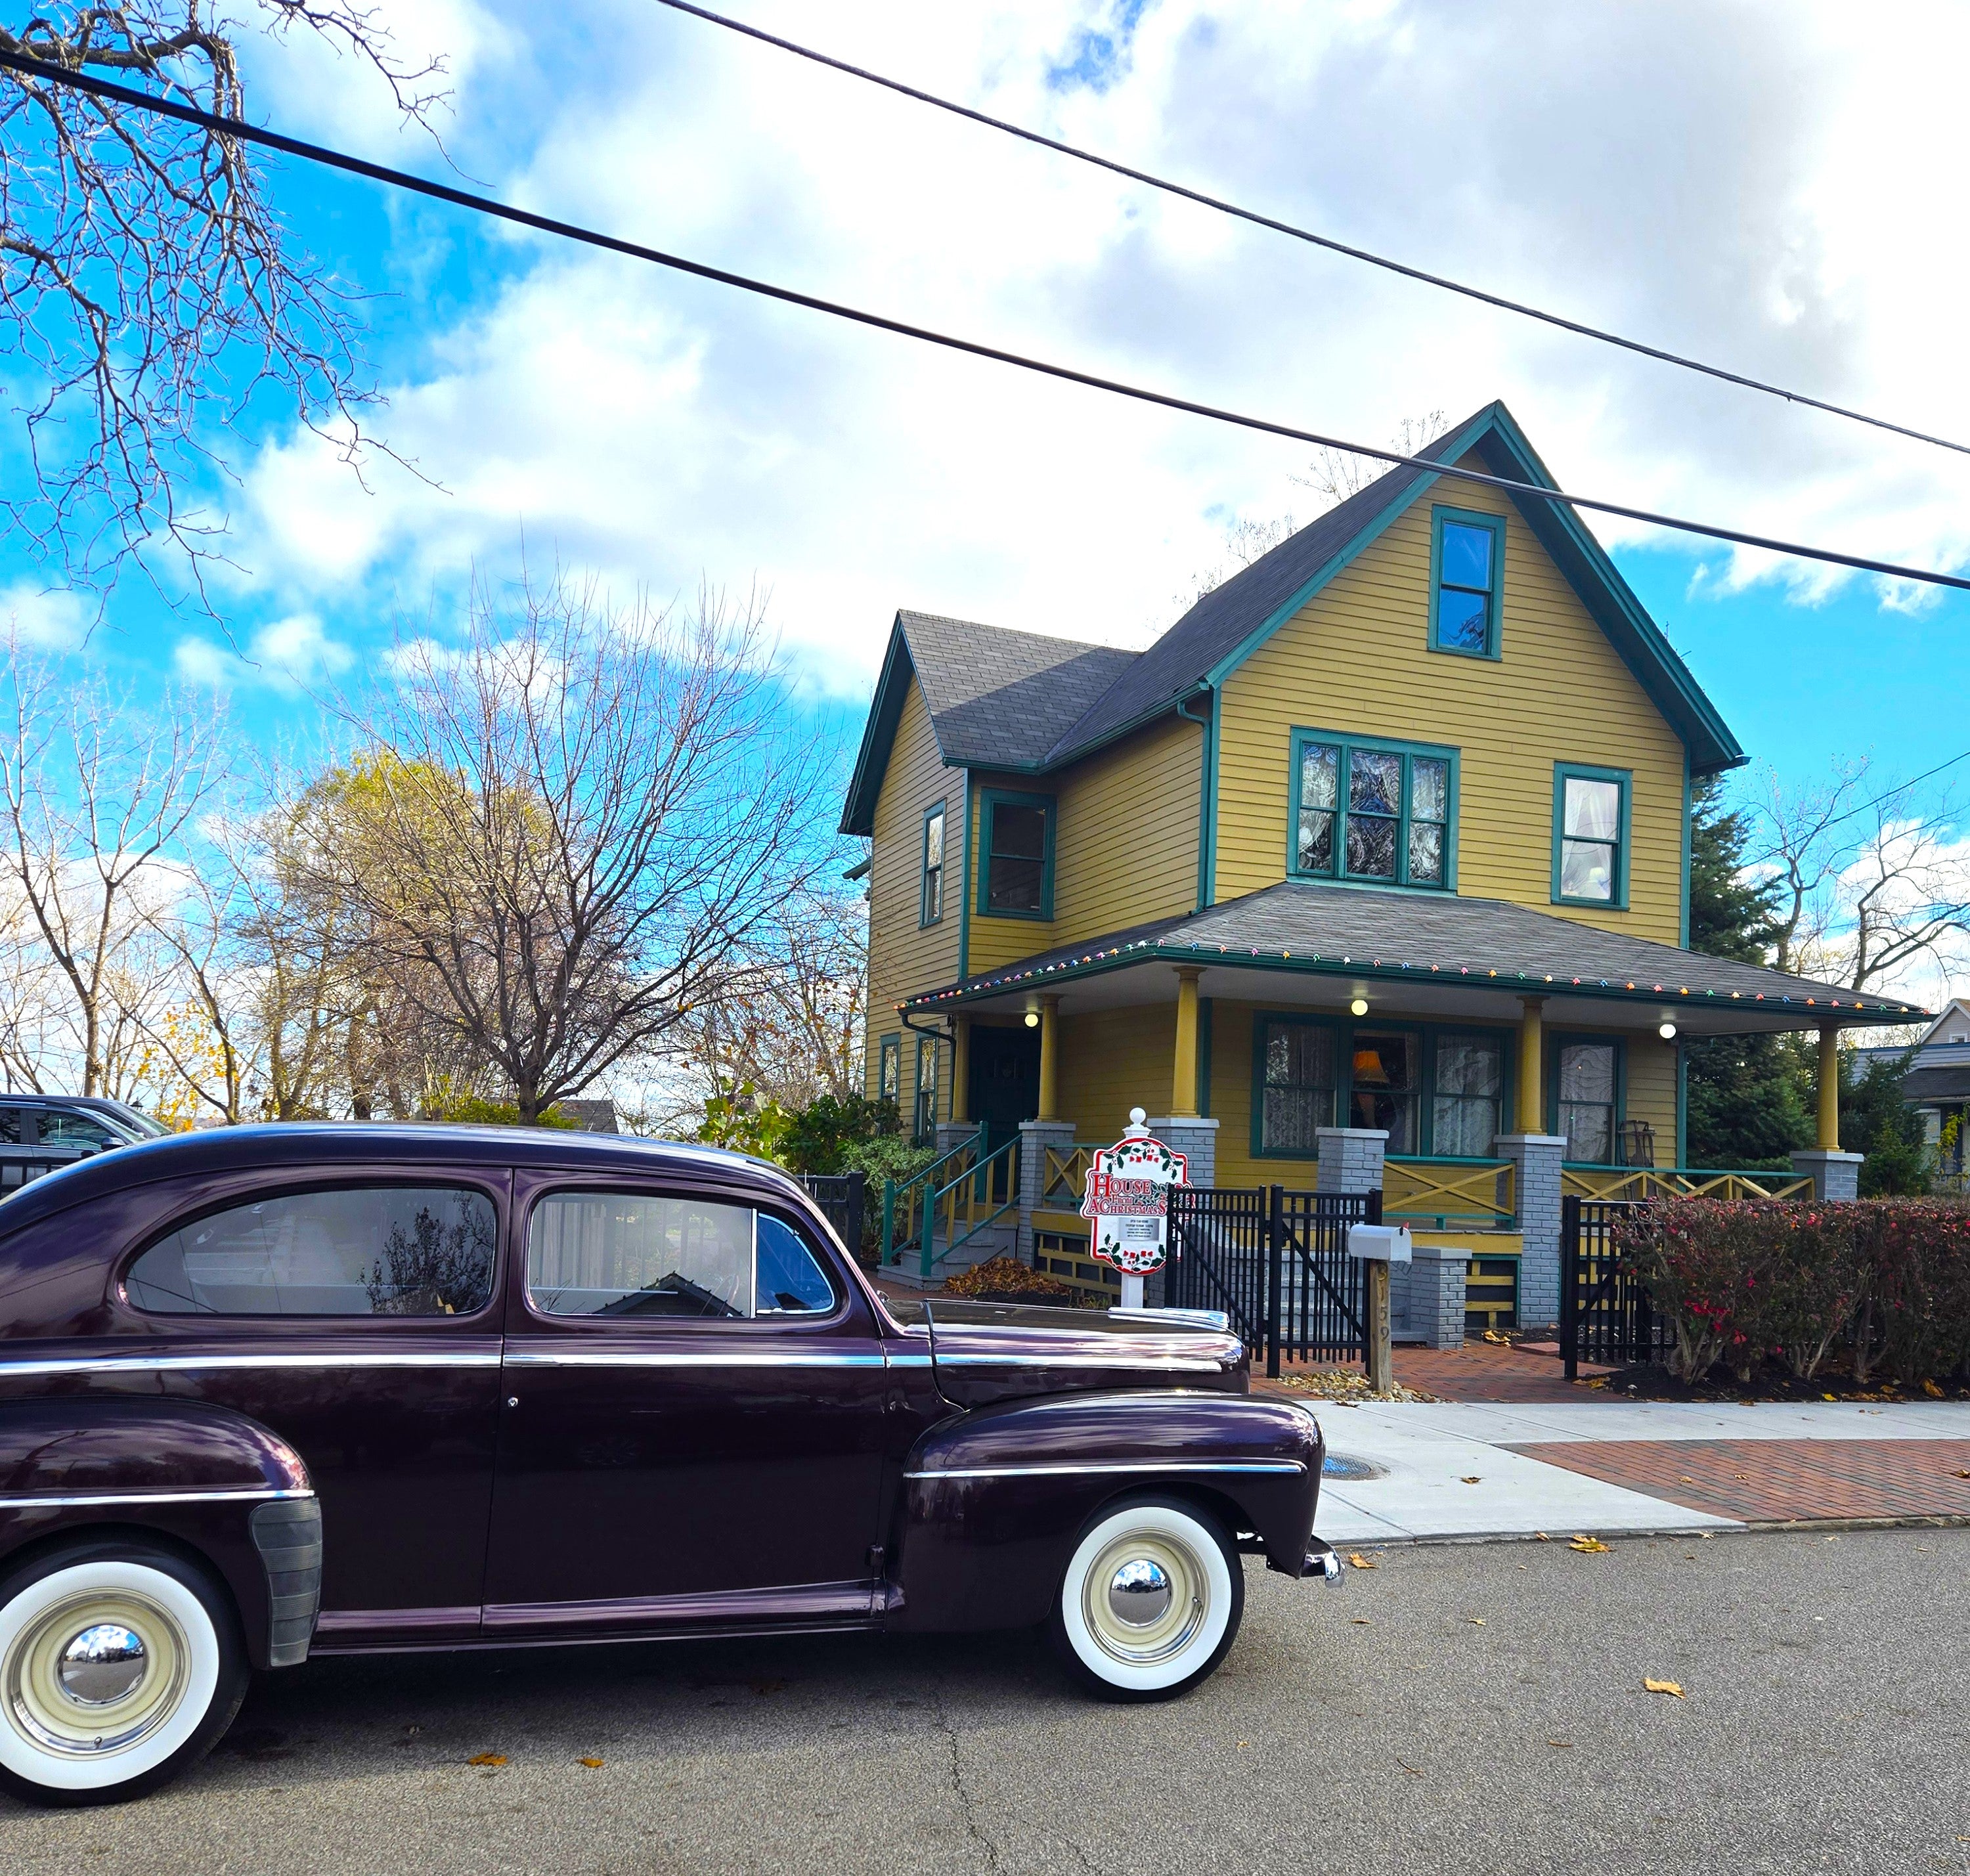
(1383, 1243)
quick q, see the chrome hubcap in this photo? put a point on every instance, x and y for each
(95, 1674)
(1139, 1592)
(103, 1664)
(1145, 1597)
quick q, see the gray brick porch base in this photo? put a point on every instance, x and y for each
(1351, 1158)
(1535, 1160)
(1834, 1176)
(1035, 1137)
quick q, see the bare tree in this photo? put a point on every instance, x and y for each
(787, 1023)
(569, 825)
(1870, 882)
(97, 798)
(148, 291)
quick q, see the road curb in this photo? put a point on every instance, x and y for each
(1734, 1528)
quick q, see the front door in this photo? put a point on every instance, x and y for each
(1005, 1086)
(692, 1423)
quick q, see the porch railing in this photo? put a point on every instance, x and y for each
(960, 1194)
(1064, 1176)
(1635, 1182)
(1445, 1192)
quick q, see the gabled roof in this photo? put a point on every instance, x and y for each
(1012, 699)
(1440, 938)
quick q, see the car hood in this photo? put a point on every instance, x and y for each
(980, 1353)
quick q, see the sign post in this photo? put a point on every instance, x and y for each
(1127, 1205)
(1378, 1245)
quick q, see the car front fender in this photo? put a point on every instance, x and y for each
(204, 1478)
(993, 1500)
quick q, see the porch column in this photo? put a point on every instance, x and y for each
(961, 1069)
(1532, 1066)
(1183, 1081)
(1836, 1175)
(1049, 1059)
(1535, 1159)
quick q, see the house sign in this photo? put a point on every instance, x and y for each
(1126, 1199)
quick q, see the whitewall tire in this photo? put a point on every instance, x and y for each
(119, 1667)
(1151, 1601)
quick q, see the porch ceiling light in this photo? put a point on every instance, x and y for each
(1032, 1018)
(1359, 1007)
(1666, 1031)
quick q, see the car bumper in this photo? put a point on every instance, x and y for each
(1322, 1560)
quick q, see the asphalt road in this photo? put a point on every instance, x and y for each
(1825, 1725)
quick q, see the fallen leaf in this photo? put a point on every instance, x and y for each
(1584, 1543)
(1565, 1745)
(1829, 1396)
(1476, 1621)
(1663, 1687)
(1540, 1537)
(1963, 1471)
(1243, 1744)
(594, 1765)
(1410, 1769)
(1933, 1392)
(1473, 1480)
(1359, 1561)
(1361, 1621)
(1685, 1480)
(1492, 1335)
(487, 1758)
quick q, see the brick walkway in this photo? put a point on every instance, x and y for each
(1485, 1371)
(1780, 1481)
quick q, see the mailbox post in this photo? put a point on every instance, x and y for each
(1378, 1245)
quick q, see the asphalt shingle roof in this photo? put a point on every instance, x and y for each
(1001, 696)
(1414, 935)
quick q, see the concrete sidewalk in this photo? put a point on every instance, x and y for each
(1484, 1469)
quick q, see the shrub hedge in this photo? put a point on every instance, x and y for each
(1880, 1285)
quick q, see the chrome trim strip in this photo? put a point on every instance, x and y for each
(176, 1365)
(1174, 1363)
(1119, 1465)
(663, 1358)
(218, 1495)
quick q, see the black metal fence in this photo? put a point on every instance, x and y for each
(1276, 1263)
(1606, 1315)
(843, 1198)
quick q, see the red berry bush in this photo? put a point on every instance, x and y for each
(1881, 1286)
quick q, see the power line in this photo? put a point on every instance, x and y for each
(881, 322)
(1327, 241)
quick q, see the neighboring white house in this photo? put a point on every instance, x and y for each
(1938, 1084)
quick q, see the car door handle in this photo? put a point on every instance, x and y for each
(512, 1400)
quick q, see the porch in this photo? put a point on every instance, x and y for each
(1473, 1062)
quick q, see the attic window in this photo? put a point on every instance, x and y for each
(1467, 553)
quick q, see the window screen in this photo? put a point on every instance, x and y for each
(634, 1254)
(403, 1251)
(1298, 1093)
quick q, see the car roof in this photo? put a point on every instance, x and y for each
(315, 1143)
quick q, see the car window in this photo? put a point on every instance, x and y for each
(397, 1250)
(10, 1126)
(639, 1254)
(63, 1126)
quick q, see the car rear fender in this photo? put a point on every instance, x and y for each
(202, 1479)
(992, 1501)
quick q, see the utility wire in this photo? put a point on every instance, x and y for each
(1253, 215)
(615, 244)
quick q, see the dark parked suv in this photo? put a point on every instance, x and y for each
(85, 1122)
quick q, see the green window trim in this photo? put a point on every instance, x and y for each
(1557, 1040)
(1428, 1035)
(924, 1093)
(1624, 780)
(934, 868)
(1346, 747)
(890, 1068)
(1440, 581)
(991, 801)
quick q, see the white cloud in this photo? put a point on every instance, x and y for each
(52, 619)
(291, 655)
(1760, 185)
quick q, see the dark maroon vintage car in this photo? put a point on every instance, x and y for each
(282, 1390)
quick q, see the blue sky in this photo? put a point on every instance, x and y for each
(1762, 186)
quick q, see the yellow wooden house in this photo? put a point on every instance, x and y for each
(1374, 869)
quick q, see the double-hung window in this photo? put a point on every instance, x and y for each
(1016, 864)
(1467, 553)
(1586, 1104)
(926, 1105)
(1590, 835)
(1381, 812)
(1467, 1097)
(930, 903)
(1296, 1086)
(889, 1069)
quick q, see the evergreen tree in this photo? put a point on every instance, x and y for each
(1750, 1096)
